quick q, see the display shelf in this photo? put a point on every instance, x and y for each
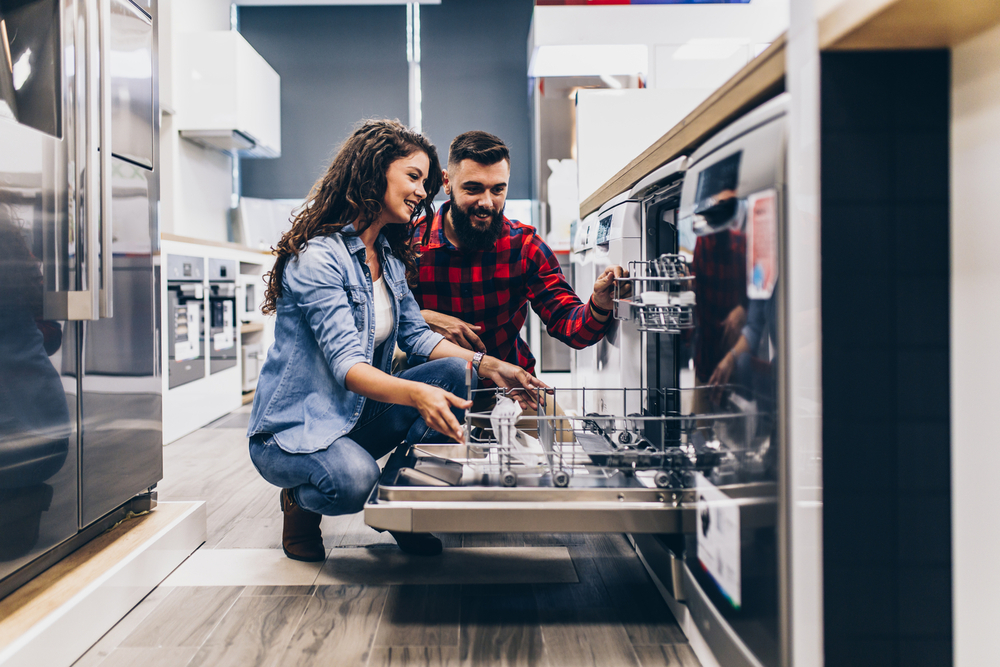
(251, 327)
(850, 25)
(905, 24)
(213, 244)
(761, 79)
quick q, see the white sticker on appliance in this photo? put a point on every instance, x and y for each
(762, 244)
(222, 341)
(187, 332)
(719, 539)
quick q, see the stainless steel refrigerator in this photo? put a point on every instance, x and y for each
(80, 377)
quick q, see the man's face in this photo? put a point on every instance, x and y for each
(478, 194)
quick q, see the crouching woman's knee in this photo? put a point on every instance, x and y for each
(346, 489)
(451, 372)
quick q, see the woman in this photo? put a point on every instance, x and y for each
(326, 406)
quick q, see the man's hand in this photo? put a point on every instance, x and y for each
(455, 330)
(604, 288)
(523, 386)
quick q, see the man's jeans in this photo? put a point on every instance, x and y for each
(339, 479)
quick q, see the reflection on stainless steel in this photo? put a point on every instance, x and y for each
(35, 426)
(735, 351)
(80, 416)
(29, 79)
(122, 402)
(38, 370)
(131, 69)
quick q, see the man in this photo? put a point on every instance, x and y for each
(479, 270)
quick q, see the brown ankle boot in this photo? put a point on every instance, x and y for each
(301, 538)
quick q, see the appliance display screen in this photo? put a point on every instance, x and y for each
(721, 176)
(603, 230)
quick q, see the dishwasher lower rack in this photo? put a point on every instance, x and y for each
(628, 472)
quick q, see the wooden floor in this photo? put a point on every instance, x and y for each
(612, 615)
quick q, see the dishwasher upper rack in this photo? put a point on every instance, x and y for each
(665, 282)
(553, 448)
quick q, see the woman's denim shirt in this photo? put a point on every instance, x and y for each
(324, 326)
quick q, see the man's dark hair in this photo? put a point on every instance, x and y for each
(478, 146)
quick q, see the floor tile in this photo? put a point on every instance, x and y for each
(500, 629)
(667, 655)
(116, 635)
(278, 590)
(420, 616)
(337, 628)
(553, 539)
(243, 567)
(491, 565)
(414, 656)
(493, 540)
(255, 533)
(254, 632)
(588, 592)
(585, 637)
(185, 618)
(149, 657)
(354, 532)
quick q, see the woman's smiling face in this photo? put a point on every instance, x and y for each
(404, 189)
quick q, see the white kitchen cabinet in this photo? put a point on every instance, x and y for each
(228, 97)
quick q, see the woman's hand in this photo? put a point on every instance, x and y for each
(434, 405)
(522, 386)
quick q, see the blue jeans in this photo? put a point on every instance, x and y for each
(339, 479)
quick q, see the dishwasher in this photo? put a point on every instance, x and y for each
(671, 434)
(604, 457)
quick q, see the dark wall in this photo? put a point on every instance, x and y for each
(475, 77)
(339, 64)
(886, 439)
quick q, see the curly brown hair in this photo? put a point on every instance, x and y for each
(353, 191)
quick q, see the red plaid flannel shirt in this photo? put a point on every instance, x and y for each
(720, 284)
(492, 289)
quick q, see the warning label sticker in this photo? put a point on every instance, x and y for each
(762, 244)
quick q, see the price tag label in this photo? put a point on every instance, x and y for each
(719, 539)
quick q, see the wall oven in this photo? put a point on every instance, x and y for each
(222, 313)
(185, 334)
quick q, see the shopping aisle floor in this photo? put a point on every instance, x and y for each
(496, 599)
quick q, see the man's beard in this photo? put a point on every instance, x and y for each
(469, 237)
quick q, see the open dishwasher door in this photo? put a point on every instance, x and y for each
(555, 472)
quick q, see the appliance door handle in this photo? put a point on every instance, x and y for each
(84, 303)
(81, 301)
(104, 160)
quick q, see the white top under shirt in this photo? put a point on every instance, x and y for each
(383, 312)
